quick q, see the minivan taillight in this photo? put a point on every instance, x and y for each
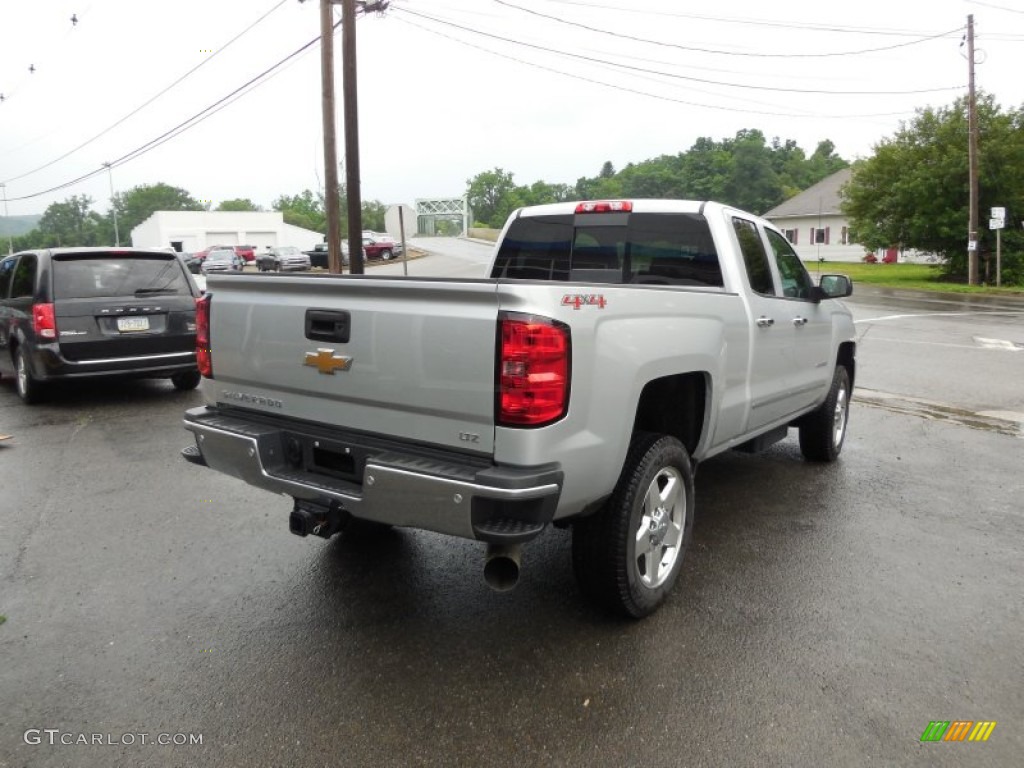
(533, 370)
(44, 323)
(204, 355)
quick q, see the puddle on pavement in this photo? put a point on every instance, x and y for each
(940, 412)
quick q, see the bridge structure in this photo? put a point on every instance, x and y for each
(442, 215)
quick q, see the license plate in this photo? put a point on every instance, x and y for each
(132, 324)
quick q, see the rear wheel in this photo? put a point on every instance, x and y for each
(823, 431)
(186, 380)
(628, 555)
(30, 390)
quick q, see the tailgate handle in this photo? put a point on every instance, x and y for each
(328, 325)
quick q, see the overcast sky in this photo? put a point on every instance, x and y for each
(545, 89)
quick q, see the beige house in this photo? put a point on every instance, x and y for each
(814, 224)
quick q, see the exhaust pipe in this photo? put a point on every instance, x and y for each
(501, 569)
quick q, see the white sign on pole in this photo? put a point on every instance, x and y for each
(996, 223)
(999, 213)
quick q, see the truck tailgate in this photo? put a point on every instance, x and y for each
(405, 358)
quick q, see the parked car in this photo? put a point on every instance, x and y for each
(380, 247)
(247, 252)
(397, 249)
(73, 313)
(192, 262)
(282, 257)
(318, 255)
(222, 260)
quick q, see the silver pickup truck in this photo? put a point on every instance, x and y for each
(615, 345)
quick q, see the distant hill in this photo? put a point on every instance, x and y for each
(19, 225)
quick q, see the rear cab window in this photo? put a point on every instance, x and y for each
(90, 275)
(617, 247)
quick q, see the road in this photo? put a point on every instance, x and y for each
(824, 615)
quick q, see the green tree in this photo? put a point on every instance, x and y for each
(69, 223)
(492, 196)
(374, 212)
(139, 203)
(305, 210)
(913, 192)
(238, 204)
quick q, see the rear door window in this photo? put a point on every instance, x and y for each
(87, 276)
(6, 273)
(755, 258)
(24, 281)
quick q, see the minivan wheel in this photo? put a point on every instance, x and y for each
(186, 380)
(29, 388)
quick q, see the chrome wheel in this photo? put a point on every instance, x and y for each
(840, 415)
(22, 372)
(660, 532)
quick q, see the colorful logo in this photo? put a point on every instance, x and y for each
(958, 730)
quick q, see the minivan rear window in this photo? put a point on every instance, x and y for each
(86, 276)
(653, 248)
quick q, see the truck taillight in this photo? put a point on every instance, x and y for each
(44, 323)
(204, 355)
(533, 370)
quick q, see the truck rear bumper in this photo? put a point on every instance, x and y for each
(379, 480)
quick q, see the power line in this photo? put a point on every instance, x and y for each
(672, 75)
(658, 96)
(145, 104)
(718, 51)
(181, 127)
(749, 22)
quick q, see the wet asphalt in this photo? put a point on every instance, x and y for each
(825, 614)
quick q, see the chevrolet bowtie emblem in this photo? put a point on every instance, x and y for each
(325, 361)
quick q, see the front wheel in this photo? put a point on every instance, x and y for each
(628, 555)
(386, 254)
(822, 432)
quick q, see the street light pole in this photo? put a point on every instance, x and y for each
(113, 206)
(7, 224)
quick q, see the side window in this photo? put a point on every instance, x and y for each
(796, 283)
(23, 284)
(6, 272)
(754, 257)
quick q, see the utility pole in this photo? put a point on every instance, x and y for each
(972, 157)
(113, 206)
(352, 190)
(331, 203)
(10, 240)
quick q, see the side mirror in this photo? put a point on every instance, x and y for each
(834, 286)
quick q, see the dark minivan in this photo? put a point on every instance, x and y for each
(68, 313)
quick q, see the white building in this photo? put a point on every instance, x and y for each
(814, 223)
(191, 231)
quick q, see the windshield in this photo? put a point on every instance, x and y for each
(91, 276)
(288, 250)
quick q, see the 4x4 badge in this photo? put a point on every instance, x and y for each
(325, 361)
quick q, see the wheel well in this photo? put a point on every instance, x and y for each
(847, 357)
(674, 405)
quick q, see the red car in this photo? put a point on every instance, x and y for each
(247, 252)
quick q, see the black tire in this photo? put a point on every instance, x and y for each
(386, 254)
(822, 432)
(30, 390)
(186, 380)
(609, 568)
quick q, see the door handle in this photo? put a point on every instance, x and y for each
(798, 321)
(328, 325)
(765, 322)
